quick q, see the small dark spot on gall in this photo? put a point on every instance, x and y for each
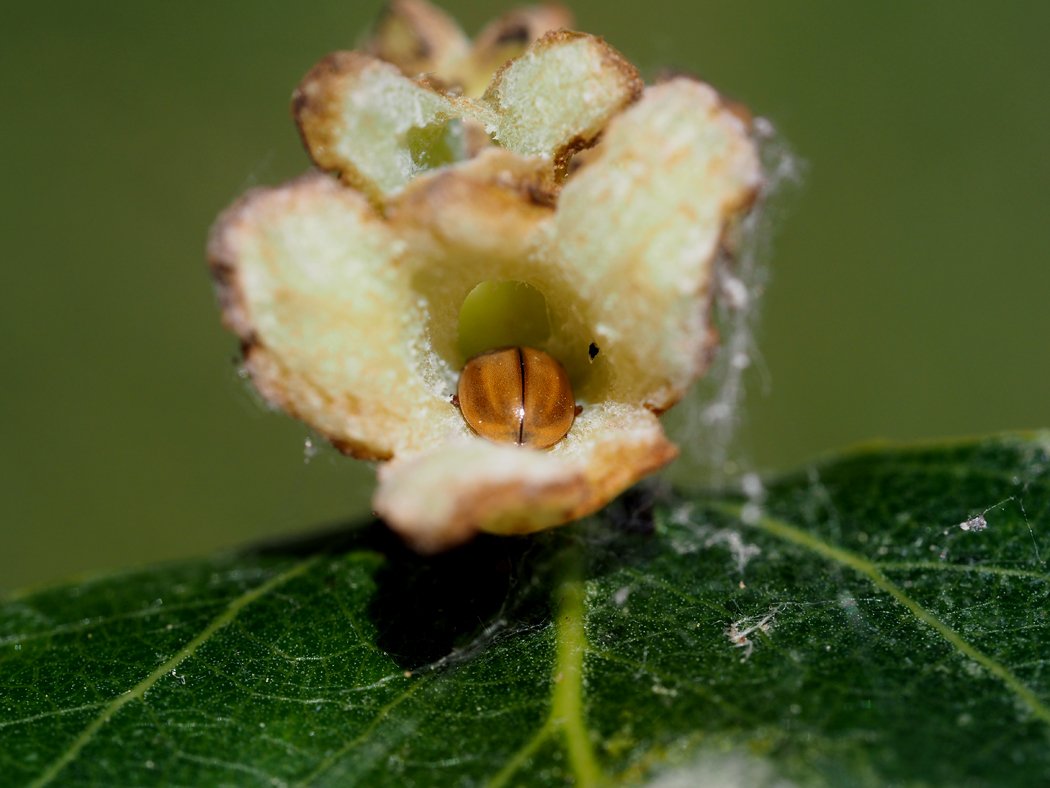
(518, 34)
(537, 195)
(593, 351)
(248, 344)
(455, 400)
(579, 409)
(221, 272)
(574, 165)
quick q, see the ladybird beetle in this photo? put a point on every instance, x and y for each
(516, 395)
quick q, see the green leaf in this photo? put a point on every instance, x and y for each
(852, 624)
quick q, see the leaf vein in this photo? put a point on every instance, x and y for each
(934, 566)
(139, 690)
(870, 570)
(54, 713)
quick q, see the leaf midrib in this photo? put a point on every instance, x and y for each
(566, 716)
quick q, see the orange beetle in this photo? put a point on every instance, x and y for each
(516, 395)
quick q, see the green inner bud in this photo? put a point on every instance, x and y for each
(437, 144)
(500, 314)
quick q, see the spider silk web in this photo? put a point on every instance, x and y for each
(705, 424)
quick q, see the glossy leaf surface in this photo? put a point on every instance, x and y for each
(881, 618)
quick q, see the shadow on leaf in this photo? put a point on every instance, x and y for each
(428, 608)
(431, 608)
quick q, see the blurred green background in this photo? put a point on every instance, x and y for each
(909, 280)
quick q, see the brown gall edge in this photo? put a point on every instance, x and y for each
(473, 509)
(522, 196)
(234, 312)
(433, 31)
(609, 472)
(521, 26)
(511, 34)
(612, 58)
(221, 258)
(273, 390)
(223, 267)
(313, 115)
(566, 154)
(712, 337)
(592, 496)
(737, 211)
(712, 343)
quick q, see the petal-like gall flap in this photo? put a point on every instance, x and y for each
(443, 497)
(307, 279)
(418, 38)
(640, 226)
(508, 37)
(364, 119)
(557, 97)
